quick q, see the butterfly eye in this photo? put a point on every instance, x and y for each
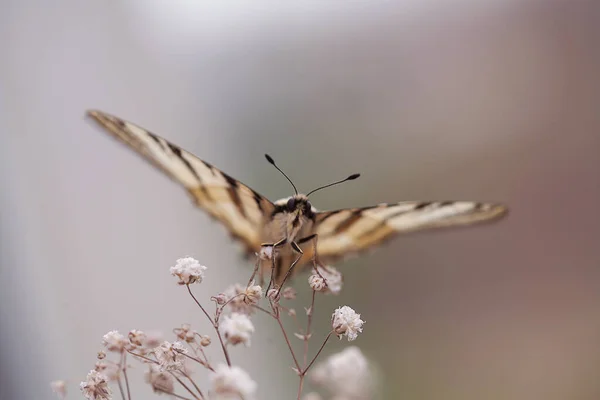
(291, 204)
(307, 207)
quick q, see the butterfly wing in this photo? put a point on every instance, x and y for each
(350, 231)
(234, 204)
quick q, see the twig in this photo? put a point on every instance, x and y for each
(185, 386)
(173, 394)
(307, 333)
(287, 340)
(124, 358)
(317, 355)
(214, 325)
(193, 383)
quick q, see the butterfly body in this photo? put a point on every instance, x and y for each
(292, 223)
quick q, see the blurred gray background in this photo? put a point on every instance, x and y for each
(474, 100)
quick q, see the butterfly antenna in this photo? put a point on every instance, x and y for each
(272, 162)
(350, 178)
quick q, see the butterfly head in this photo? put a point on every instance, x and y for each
(298, 205)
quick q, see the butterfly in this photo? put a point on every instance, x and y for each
(291, 225)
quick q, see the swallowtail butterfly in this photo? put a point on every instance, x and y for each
(291, 224)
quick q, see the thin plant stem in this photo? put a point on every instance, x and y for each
(288, 273)
(124, 358)
(174, 395)
(255, 270)
(308, 324)
(199, 361)
(225, 352)
(263, 310)
(185, 386)
(199, 305)
(287, 340)
(142, 357)
(300, 385)
(120, 386)
(317, 355)
(193, 383)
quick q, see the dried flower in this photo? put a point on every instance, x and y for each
(220, 299)
(204, 340)
(237, 328)
(289, 293)
(159, 380)
(170, 356)
(316, 282)
(95, 387)
(60, 388)
(346, 321)
(333, 279)
(136, 337)
(346, 375)
(114, 341)
(188, 270)
(185, 333)
(109, 370)
(274, 294)
(231, 383)
(252, 294)
(236, 295)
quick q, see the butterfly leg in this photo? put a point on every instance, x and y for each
(273, 255)
(297, 249)
(315, 259)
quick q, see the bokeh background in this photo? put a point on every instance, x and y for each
(476, 100)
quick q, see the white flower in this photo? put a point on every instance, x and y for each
(188, 270)
(114, 341)
(159, 380)
(231, 383)
(60, 388)
(346, 321)
(316, 283)
(274, 294)
(252, 294)
(110, 371)
(333, 279)
(237, 328)
(204, 340)
(346, 375)
(136, 337)
(95, 387)
(170, 356)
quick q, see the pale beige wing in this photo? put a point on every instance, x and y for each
(242, 210)
(347, 232)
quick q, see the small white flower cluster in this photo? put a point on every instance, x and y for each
(231, 383)
(345, 375)
(346, 322)
(326, 279)
(95, 386)
(237, 328)
(170, 356)
(188, 270)
(114, 341)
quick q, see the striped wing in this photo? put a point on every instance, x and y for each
(350, 231)
(239, 208)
